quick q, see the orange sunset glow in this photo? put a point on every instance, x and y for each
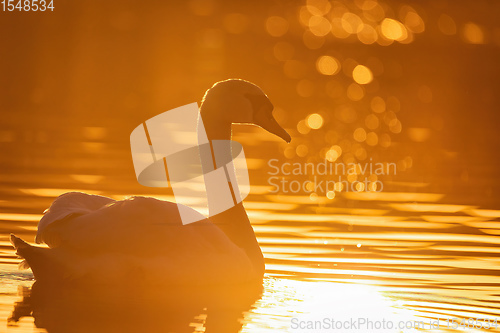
(262, 166)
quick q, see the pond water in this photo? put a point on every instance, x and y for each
(381, 261)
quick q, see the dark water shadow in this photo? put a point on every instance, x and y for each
(57, 308)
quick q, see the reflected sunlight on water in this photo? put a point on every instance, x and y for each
(394, 260)
(353, 81)
(287, 301)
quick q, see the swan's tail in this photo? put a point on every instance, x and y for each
(21, 249)
(35, 257)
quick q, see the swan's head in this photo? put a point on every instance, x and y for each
(236, 101)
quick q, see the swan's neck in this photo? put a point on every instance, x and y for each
(233, 221)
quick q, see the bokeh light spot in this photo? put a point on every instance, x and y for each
(472, 33)
(447, 25)
(396, 127)
(378, 104)
(327, 65)
(367, 34)
(360, 187)
(351, 23)
(333, 153)
(337, 28)
(276, 26)
(393, 30)
(310, 186)
(337, 149)
(301, 150)
(385, 140)
(362, 74)
(371, 121)
(360, 153)
(418, 134)
(393, 103)
(314, 121)
(94, 133)
(319, 26)
(373, 11)
(289, 152)
(320, 7)
(413, 21)
(302, 127)
(372, 139)
(355, 92)
(359, 134)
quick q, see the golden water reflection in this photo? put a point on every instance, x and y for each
(386, 261)
(405, 255)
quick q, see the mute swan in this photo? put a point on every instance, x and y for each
(97, 240)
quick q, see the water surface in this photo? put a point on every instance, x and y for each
(396, 256)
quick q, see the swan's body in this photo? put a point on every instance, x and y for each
(141, 240)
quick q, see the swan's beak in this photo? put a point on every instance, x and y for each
(270, 124)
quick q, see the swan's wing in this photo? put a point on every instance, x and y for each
(93, 223)
(139, 234)
(67, 205)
